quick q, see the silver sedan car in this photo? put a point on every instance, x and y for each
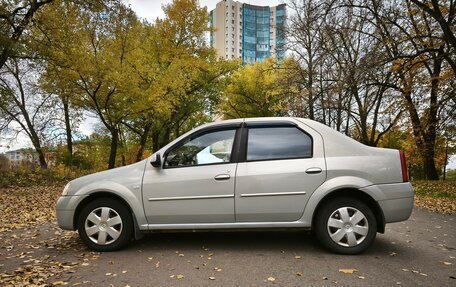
(246, 173)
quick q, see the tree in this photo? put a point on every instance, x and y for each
(361, 72)
(25, 105)
(305, 42)
(94, 52)
(15, 18)
(254, 91)
(179, 74)
(417, 53)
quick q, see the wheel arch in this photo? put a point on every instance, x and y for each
(107, 194)
(358, 194)
(93, 196)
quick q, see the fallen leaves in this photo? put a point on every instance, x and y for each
(271, 279)
(436, 195)
(35, 207)
(348, 271)
(414, 271)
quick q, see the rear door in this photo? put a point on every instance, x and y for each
(279, 169)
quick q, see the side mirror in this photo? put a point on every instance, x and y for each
(155, 161)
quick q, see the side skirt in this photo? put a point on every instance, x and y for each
(224, 226)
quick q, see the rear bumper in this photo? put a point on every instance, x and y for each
(398, 209)
(395, 200)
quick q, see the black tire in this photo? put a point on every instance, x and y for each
(323, 234)
(126, 232)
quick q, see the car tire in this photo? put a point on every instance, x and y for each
(345, 226)
(105, 224)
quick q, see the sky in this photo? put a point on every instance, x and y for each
(150, 10)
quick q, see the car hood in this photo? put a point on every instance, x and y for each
(125, 175)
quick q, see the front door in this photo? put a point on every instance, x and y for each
(195, 183)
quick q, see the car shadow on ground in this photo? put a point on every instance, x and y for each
(253, 241)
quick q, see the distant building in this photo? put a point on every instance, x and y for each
(19, 156)
(248, 32)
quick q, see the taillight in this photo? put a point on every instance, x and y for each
(405, 177)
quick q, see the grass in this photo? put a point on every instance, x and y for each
(437, 196)
(435, 189)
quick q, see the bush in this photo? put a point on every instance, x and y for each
(36, 176)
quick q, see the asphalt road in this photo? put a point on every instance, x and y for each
(418, 252)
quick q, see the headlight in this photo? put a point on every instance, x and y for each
(66, 189)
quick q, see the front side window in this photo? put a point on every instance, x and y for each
(270, 143)
(208, 148)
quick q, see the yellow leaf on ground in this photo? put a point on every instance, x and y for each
(271, 279)
(348, 271)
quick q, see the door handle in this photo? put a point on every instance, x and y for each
(313, 170)
(222, 177)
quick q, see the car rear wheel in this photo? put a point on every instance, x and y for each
(345, 226)
(105, 224)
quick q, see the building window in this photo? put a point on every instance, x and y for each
(232, 22)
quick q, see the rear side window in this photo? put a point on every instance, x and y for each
(267, 143)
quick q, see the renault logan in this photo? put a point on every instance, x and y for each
(246, 174)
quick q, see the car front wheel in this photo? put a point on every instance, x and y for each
(345, 226)
(105, 224)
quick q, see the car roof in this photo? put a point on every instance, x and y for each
(248, 120)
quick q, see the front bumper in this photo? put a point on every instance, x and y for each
(65, 210)
(395, 200)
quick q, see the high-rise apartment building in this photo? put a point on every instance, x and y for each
(249, 32)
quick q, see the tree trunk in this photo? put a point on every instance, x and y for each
(430, 133)
(69, 138)
(155, 141)
(113, 150)
(142, 143)
(430, 171)
(42, 159)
